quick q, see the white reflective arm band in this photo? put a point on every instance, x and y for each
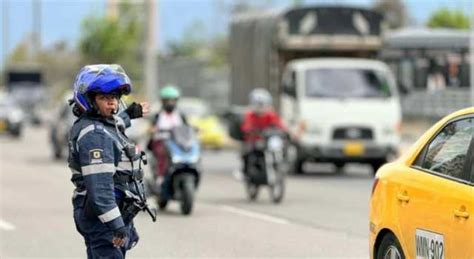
(97, 169)
(127, 166)
(85, 131)
(110, 215)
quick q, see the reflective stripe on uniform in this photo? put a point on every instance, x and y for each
(76, 193)
(120, 121)
(84, 131)
(75, 171)
(110, 215)
(120, 146)
(127, 166)
(97, 169)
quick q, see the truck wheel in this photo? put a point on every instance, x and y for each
(376, 165)
(298, 166)
(339, 167)
(390, 248)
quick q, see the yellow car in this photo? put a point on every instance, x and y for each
(211, 133)
(422, 205)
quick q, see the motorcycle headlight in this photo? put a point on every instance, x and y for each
(275, 143)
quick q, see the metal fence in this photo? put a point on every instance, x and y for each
(436, 104)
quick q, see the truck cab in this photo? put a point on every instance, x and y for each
(341, 110)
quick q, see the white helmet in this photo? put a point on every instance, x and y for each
(260, 97)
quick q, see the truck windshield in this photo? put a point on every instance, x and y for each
(346, 83)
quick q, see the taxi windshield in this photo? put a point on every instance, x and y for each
(346, 83)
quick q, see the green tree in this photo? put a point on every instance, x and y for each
(113, 40)
(446, 18)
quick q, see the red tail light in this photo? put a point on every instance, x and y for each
(374, 185)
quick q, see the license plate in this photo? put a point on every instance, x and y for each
(3, 125)
(429, 245)
(354, 149)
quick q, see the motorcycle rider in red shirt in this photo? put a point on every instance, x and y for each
(260, 117)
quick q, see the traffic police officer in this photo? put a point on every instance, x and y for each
(105, 164)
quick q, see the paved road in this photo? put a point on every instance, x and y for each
(322, 215)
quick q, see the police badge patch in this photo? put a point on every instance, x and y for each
(95, 156)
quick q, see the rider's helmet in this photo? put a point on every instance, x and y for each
(104, 79)
(260, 99)
(169, 95)
(169, 92)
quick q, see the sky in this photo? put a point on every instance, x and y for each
(61, 19)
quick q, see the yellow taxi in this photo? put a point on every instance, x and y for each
(422, 205)
(211, 133)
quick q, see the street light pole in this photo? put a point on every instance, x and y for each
(5, 33)
(36, 29)
(150, 70)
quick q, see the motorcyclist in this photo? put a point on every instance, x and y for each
(260, 117)
(164, 121)
(104, 162)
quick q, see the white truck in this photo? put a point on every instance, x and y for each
(339, 102)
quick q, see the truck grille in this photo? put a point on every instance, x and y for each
(352, 133)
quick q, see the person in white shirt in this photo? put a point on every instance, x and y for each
(164, 121)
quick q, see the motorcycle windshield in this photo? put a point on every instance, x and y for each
(184, 136)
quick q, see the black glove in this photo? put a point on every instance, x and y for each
(134, 111)
(121, 233)
(120, 237)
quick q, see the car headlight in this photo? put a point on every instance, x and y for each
(15, 116)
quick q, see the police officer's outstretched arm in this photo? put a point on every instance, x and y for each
(96, 156)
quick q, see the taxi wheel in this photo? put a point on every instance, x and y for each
(390, 248)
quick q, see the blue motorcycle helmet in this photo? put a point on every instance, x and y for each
(103, 79)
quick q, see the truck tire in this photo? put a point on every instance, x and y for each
(298, 167)
(376, 164)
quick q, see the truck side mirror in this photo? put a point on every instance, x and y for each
(402, 89)
(289, 89)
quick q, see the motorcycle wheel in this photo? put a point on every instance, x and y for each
(252, 191)
(187, 193)
(277, 190)
(162, 204)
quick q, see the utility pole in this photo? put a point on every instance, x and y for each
(151, 66)
(36, 37)
(4, 32)
(112, 9)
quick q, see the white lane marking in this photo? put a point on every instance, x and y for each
(255, 215)
(6, 225)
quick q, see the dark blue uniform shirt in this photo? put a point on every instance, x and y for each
(97, 158)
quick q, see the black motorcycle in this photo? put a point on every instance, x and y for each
(265, 165)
